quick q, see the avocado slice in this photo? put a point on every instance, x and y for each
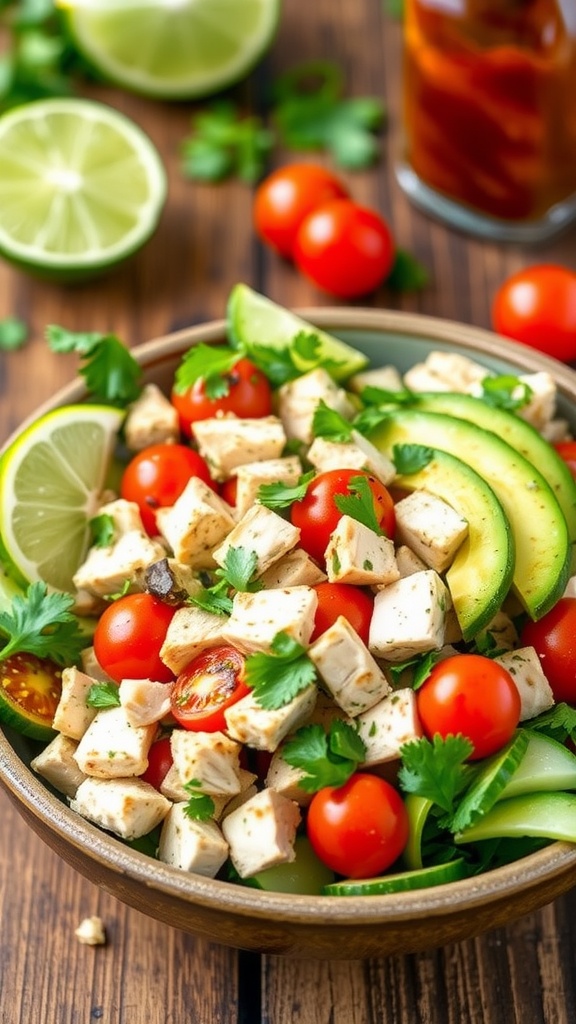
(520, 435)
(541, 541)
(481, 573)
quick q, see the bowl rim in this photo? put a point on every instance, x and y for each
(548, 864)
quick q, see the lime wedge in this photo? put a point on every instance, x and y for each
(172, 49)
(256, 322)
(81, 187)
(51, 481)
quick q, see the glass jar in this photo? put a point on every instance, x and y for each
(490, 114)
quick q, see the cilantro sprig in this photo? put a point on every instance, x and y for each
(506, 392)
(359, 503)
(209, 363)
(110, 371)
(277, 678)
(436, 769)
(330, 424)
(279, 495)
(411, 458)
(236, 574)
(327, 758)
(200, 806)
(103, 695)
(43, 624)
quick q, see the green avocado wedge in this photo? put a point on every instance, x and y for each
(520, 435)
(481, 573)
(541, 541)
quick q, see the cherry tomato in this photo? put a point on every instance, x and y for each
(554, 639)
(567, 451)
(317, 515)
(358, 829)
(249, 395)
(210, 684)
(156, 477)
(160, 761)
(129, 636)
(336, 599)
(345, 249)
(286, 197)
(229, 489)
(537, 306)
(471, 695)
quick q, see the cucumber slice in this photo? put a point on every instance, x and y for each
(542, 546)
(256, 322)
(418, 808)
(481, 573)
(546, 815)
(490, 782)
(306, 874)
(402, 881)
(547, 765)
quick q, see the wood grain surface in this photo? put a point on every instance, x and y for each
(148, 973)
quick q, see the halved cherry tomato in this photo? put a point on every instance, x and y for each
(210, 684)
(358, 829)
(344, 248)
(554, 640)
(335, 599)
(286, 197)
(537, 306)
(248, 395)
(471, 695)
(567, 451)
(160, 761)
(129, 636)
(317, 515)
(30, 689)
(156, 477)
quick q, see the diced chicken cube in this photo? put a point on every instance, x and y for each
(348, 670)
(261, 832)
(535, 691)
(151, 419)
(356, 554)
(389, 724)
(445, 371)
(195, 524)
(541, 406)
(56, 764)
(257, 618)
(191, 631)
(144, 700)
(570, 589)
(284, 779)
(386, 378)
(431, 527)
(112, 748)
(265, 533)
(128, 807)
(73, 715)
(191, 845)
(209, 759)
(91, 932)
(106, 569)
(227, 442)
(409, 617)
(296, 569)
(298, 400)
(92, 667)
(250, 477)
(499, 635)
(326, 455)
(265, 728)
(408, 561)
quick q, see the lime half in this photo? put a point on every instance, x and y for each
(51, 482)
(81, 187)
(172, 49)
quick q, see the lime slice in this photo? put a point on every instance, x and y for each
(172, 49)
(81, 187)
(256, 322)
(51, 480)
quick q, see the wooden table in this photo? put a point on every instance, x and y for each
(148, 972)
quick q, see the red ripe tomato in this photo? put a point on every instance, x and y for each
(335, 599)
(554, 639)
(358, 829)
(210, 684)
(286, 197)
(249, 395)
(344, 248)
(129, 636)
(317, 515)
(537, 306)
(471, 695)
(160, 761)
(156, 477)
(567, 451)
(229, 489)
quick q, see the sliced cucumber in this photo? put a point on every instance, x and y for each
(547, 765)
(490, 782)
(402, 881)
(306, 874)
(255, 321)
(546, 815)
(542, 546)
(418, 808)
(481, 573)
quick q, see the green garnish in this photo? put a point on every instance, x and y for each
(277, 678)
(200, 806)
(102, 530)
(329, 423)
(279, 495)
(328, 759)
(436, 768)
(13, 333)
(42, 623)
(111, 373)
(411, 458)
(359, 503)
(103, 695)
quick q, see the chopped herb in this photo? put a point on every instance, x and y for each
(13, 333)
(103, 695)
(278, 677)
(411, 458)
(328, 759)
(210, 363)
(111, 373)
(383, 396)
(329, 423)
(200, 806)
(42, 623)
(436, 768)
(421, 664)
(212, 599)
(407, 274)
(238, 569)
(102, 530)
(559, 722)
(506, 392)
(279, 495)
(226, 142)
(359, 503)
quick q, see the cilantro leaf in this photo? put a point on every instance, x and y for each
(328, 759)
(41, 623)
(13, 333)
(212, 599)
(279, 495)
(411, 458)
(407, 274)
(200, 806)
(505, 392)
(278, 677)
(359, 503)
(223, 142)
(382, 396)
(238, 569)
(329, 423)
(111, 373)
(435, 768)
(210, 363)
(559, 722)
(103, 695)
(102, 530)
(422, 665)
